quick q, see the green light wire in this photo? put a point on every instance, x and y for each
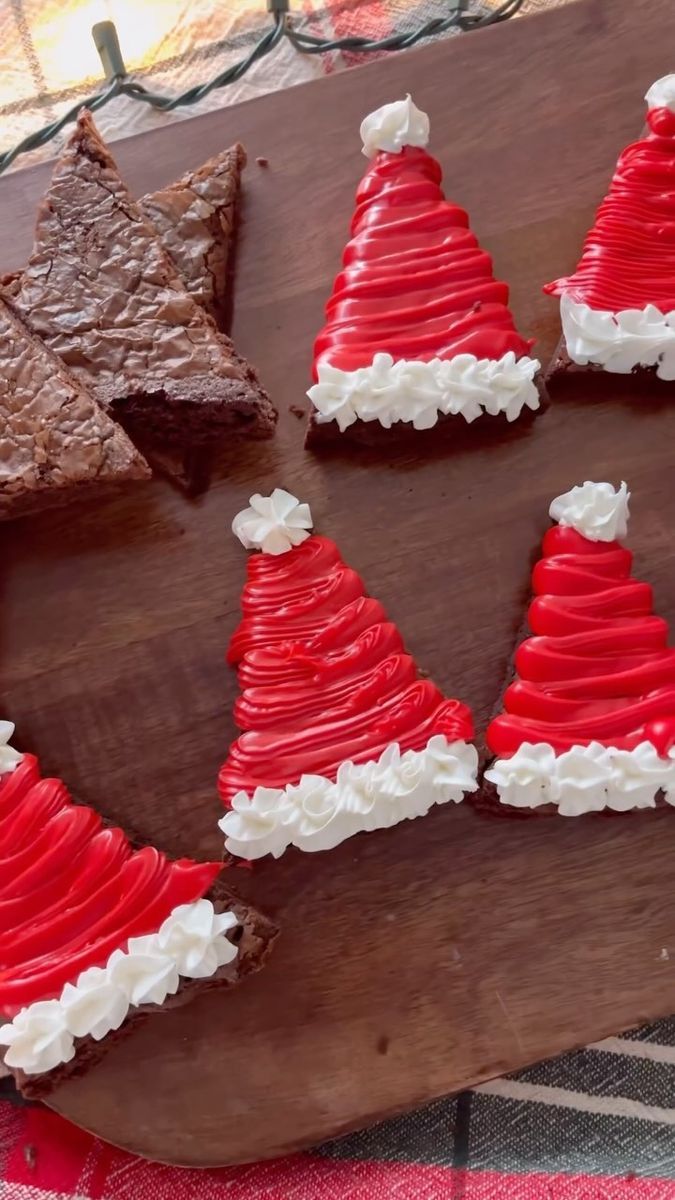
(304, 43)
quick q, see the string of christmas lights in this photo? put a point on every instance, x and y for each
(119, 83)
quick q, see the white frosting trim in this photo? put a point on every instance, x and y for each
(597, 511)
(273, 524)
(318, 813)
(583, 779)
(619, 341)
(192, 943)
(394, 126)
(9, 757)
(662, 93)
(420, 392)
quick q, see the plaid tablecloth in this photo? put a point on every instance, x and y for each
(595, 1125)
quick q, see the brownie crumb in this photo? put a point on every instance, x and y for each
(262, 162)
(297, 411)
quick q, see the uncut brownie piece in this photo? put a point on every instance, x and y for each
(102, 293)
(98, 934)
(195, 219)
(55, 439)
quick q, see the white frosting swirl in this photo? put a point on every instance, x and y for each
(38, 1038)
(142, 972)
(419, 392)
(95, 1005)
(273, 524)
(662, 93)
(597, 511)
(192, 943)
(583, 779)
(9, 757)
(193, 937)
(619, 341)
(394, 126)
(318, 813)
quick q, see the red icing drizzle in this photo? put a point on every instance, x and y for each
(415, 282)
(325, 677)
(598, 667)
(71, 890)
(628, 259)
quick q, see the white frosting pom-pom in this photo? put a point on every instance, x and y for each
(597, 511)
(394, 126)
(662, 93)
(273, 524)
(9, 757)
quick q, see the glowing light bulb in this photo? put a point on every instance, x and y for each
(63, 42)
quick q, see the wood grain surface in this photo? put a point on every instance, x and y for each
(427, 957)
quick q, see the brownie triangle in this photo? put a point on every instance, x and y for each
(339, 732)
(55, 438)
(587, 721)
(102, 293)
(97, 933)
(617, 305)
(418, 330)
(195, 219)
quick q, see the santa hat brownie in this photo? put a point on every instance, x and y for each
(588, 722)
(339, 732)
(93, 932)
(618, 307)
(418, 329)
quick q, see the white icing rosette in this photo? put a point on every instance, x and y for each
(394, 126)
(95, 1006)
(273, 524)
(318, 813)
(9, 757)
(662, 93)
(320, 823)
(38, 1038)
(524, 781)
(193, 937)
(259, 824)
(598, 511)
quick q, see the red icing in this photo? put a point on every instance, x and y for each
(415, 282)
(628, 259)
(598, 667)
(72, 891)
(325, 676)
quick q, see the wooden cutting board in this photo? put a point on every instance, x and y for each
(422, 959)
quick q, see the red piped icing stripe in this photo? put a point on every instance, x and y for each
(628, 259)
(72, 891)
(415, 283)
(598, 668)
(324, 675)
